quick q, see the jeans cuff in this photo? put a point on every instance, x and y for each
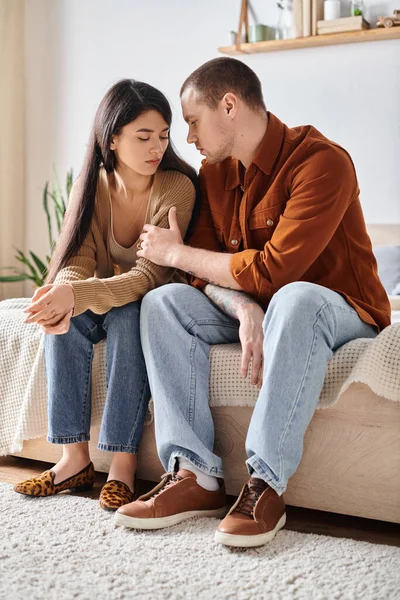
(257, 466)
(196, 462)
(73, 439)
(117, 448)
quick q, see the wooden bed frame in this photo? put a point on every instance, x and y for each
(351, 460)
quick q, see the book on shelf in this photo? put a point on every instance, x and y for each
(298, 18)
(344, 24)
(317, 14)
(306, 18)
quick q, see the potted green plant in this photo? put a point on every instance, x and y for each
(54, 204)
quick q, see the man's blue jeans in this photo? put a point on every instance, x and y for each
(68, 360)
(304, 324)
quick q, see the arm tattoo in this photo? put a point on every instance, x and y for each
(227, 300)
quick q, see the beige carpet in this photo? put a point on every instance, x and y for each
(66, 547)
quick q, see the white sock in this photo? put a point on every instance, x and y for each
(205, 481)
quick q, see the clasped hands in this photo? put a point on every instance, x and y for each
(51, 307)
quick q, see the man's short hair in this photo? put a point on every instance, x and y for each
(219, 76)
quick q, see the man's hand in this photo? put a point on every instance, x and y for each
(251, 337)
(161, 245)
(50, 305)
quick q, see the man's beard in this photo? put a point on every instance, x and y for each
(223, 152)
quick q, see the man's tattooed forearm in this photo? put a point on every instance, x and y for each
(227, 300)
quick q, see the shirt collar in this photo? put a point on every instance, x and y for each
(234, 176)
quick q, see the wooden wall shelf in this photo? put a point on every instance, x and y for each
(350, 37)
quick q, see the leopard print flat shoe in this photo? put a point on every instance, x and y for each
(44, 484)
(115, 494)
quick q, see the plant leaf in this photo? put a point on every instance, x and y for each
(13, 278)
(58, 197)
(39, 264)
(57, 211)
(22, 258)
(69, 182)
(46, 208)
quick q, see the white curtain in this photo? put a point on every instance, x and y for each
(12, 112)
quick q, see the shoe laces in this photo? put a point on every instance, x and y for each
(251, 493)
(170, 479)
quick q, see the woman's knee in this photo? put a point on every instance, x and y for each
(127, 311)
(123, 319)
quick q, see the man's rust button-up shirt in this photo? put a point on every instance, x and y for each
(293, 215)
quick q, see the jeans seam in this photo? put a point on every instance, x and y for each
(139, 410)
(209, 322)
(192, 382)
(296, 401)
(87, 387)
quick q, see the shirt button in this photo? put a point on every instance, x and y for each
(270, 223)
(242, 188)
(234, 242)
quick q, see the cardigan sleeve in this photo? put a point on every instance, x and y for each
(100, 295)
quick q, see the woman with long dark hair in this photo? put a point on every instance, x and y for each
(131, 176)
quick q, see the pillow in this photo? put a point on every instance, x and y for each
(388, 259)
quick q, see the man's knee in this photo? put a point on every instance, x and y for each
(160, 295)
(164, 299)
(297, 300)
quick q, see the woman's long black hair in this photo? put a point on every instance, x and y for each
(123, 103)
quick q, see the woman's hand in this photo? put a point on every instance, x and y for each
(50, 305)
(59, 328)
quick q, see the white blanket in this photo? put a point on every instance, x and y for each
(23, 409)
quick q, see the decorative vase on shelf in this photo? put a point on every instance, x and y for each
(332, 10)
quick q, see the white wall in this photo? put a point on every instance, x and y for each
(75, 49)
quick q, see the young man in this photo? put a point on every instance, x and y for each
(280, 259)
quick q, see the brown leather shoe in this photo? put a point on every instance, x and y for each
(254, 519)
(178, 497)
(44, 485)
(115, 494)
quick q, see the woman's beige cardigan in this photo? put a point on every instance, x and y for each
(91, 270)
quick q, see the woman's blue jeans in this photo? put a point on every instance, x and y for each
(68, 360)
(304, 324)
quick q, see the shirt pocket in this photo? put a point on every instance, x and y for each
(262, 223)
